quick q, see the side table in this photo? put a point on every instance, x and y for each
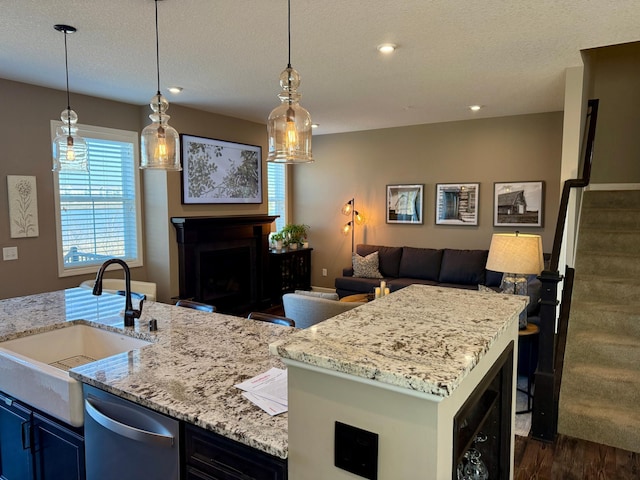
(526, 340)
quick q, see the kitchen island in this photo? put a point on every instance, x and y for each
(430, 345)
(188, 372)
(401, 383)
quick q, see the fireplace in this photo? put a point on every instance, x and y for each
(223, 261)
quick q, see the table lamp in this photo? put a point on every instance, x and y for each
(516, 255)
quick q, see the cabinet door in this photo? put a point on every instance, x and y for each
(15, 441)
(211, 456)
(58, 451)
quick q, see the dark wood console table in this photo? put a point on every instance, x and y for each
(289, 270)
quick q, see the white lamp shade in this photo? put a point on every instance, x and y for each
(516, 253)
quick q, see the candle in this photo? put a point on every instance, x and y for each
(386, 291)
(377, 292)
(383, 284)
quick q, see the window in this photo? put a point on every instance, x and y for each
(98, 213)
(277, 192)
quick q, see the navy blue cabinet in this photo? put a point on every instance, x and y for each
(16, 460)
(34, 446)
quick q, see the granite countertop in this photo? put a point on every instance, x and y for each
(421, 338)
(188, 372)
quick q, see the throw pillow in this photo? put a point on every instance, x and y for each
(327, 295)
(366, 267)
(522, 321)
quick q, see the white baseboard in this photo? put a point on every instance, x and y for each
(613, 186)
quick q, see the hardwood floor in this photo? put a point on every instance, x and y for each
(570, 458)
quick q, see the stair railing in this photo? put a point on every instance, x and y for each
(544, 420)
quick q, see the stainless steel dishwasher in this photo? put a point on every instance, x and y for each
(126, 441)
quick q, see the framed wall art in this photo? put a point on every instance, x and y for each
(216, 171)
(23, 206)
(457, 203)
(518, 204)
(404, 203)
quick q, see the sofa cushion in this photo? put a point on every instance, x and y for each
(422, 263)
(389, 257)
(357, 285)
(493, 279)
(366, 267)
(464, 267)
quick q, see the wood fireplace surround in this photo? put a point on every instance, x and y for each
(224, 261)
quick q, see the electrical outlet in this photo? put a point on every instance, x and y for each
(9, 253)
(324, 272)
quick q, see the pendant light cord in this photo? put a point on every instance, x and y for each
(157, 50)
(289, 30)
(66, 69)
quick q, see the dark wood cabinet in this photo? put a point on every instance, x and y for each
(212, 457)
(289, 270)
(482, 426)
(34, 446)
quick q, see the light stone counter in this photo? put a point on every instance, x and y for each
(188, 373)
(401, 368)
(421, 338)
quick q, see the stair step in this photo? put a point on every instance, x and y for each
(609, 219)
(606, 289)
(618, 199)
(600, 423)
(599, 318)
(619, 350)
(589, 382)
(606, 241)
(608, 264)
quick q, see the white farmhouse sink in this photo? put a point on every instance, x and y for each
(35, 368)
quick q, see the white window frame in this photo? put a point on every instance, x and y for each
(103, 133)
(282, 221)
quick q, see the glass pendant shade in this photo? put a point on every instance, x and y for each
(69, 149)
(347, 207)
(346, 229)
(160, 142)
(359, 218)
(289, 124)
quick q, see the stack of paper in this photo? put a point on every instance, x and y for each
(267, 390)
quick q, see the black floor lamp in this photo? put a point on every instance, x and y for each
(349, 208)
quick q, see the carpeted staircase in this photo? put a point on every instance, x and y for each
(600, 392)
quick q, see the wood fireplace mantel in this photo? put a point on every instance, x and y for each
(212, 248)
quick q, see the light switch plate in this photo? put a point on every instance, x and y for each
(9, 253)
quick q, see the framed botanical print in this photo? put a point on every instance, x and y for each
(217, 171)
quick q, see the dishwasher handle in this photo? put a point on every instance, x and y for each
(125, 430)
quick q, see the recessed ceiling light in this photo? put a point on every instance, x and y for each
(315, 125)
(175, 90)
(475, 108)
(387, 47)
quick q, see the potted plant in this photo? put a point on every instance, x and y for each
(277, 239)
(294, 234)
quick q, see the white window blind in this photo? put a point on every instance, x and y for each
(98, 212)
(277, 192)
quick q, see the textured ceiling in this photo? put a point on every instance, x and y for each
(509, 56)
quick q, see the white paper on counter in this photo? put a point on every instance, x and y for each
(267, 390)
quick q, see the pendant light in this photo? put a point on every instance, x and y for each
(289, 124)
(69, 149)
(160, 143)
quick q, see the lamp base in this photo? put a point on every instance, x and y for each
(516, 284)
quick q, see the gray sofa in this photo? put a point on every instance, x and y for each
(403, 266)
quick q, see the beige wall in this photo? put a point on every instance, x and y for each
(26, 139)
(163, 193)
(361, 164)
(613, 78)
